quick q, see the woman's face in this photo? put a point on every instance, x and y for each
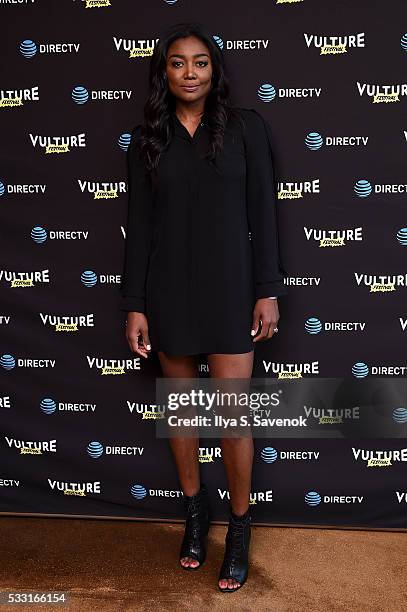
(189, 69)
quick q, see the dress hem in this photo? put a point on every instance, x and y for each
(192, 352)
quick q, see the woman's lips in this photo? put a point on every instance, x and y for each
(190, 87)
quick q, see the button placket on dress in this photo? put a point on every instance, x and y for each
(193, 245)
(191, 175)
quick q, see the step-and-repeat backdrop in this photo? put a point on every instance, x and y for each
(77, 408)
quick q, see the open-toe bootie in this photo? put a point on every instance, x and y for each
(196, 528)
(236, 560)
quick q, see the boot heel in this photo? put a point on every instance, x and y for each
(196, 528)
(236, 559)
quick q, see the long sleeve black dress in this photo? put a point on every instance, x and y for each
(203, 245)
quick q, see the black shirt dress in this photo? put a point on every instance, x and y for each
(202, 246)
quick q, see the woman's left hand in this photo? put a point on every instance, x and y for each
(266, 311)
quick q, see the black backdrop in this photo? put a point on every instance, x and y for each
(338, 116)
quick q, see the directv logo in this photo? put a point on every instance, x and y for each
(314, 326)
(7, 361)
(89, 278)
(218, 41)
(268, 454)
(313, 498)
(48, 405)
(95, 450)
(314, 141)
(402, 236)
(138, 491)
(267, 92)
(124, 141)
(28, 48)
(80, 95)
(361, 370)
(364, 188)
(400, 415)
(40, 234)
(20, 189)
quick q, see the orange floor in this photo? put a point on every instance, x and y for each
(131, 565)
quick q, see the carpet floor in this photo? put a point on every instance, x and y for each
(108, 565)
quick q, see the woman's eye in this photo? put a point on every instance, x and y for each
(202, 63)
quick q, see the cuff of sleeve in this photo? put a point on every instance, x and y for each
(275, 288)
(132, 304)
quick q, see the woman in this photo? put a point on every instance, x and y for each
(201, 257)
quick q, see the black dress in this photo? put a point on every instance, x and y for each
(202, 246)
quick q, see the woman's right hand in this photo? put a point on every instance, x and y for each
(137, 325)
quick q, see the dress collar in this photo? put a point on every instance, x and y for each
(181, 130)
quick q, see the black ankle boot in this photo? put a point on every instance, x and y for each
(236, 560)
(196, 527)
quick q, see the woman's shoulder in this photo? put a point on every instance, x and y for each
(256, 130)
(254, 123)
(255, 127)
(244, 110)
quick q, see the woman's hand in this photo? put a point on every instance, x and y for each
(266, 311)
(137, 325)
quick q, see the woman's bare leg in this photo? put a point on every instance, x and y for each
(185, 450)
(237, 453)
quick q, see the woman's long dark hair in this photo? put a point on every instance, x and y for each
(155, 133)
